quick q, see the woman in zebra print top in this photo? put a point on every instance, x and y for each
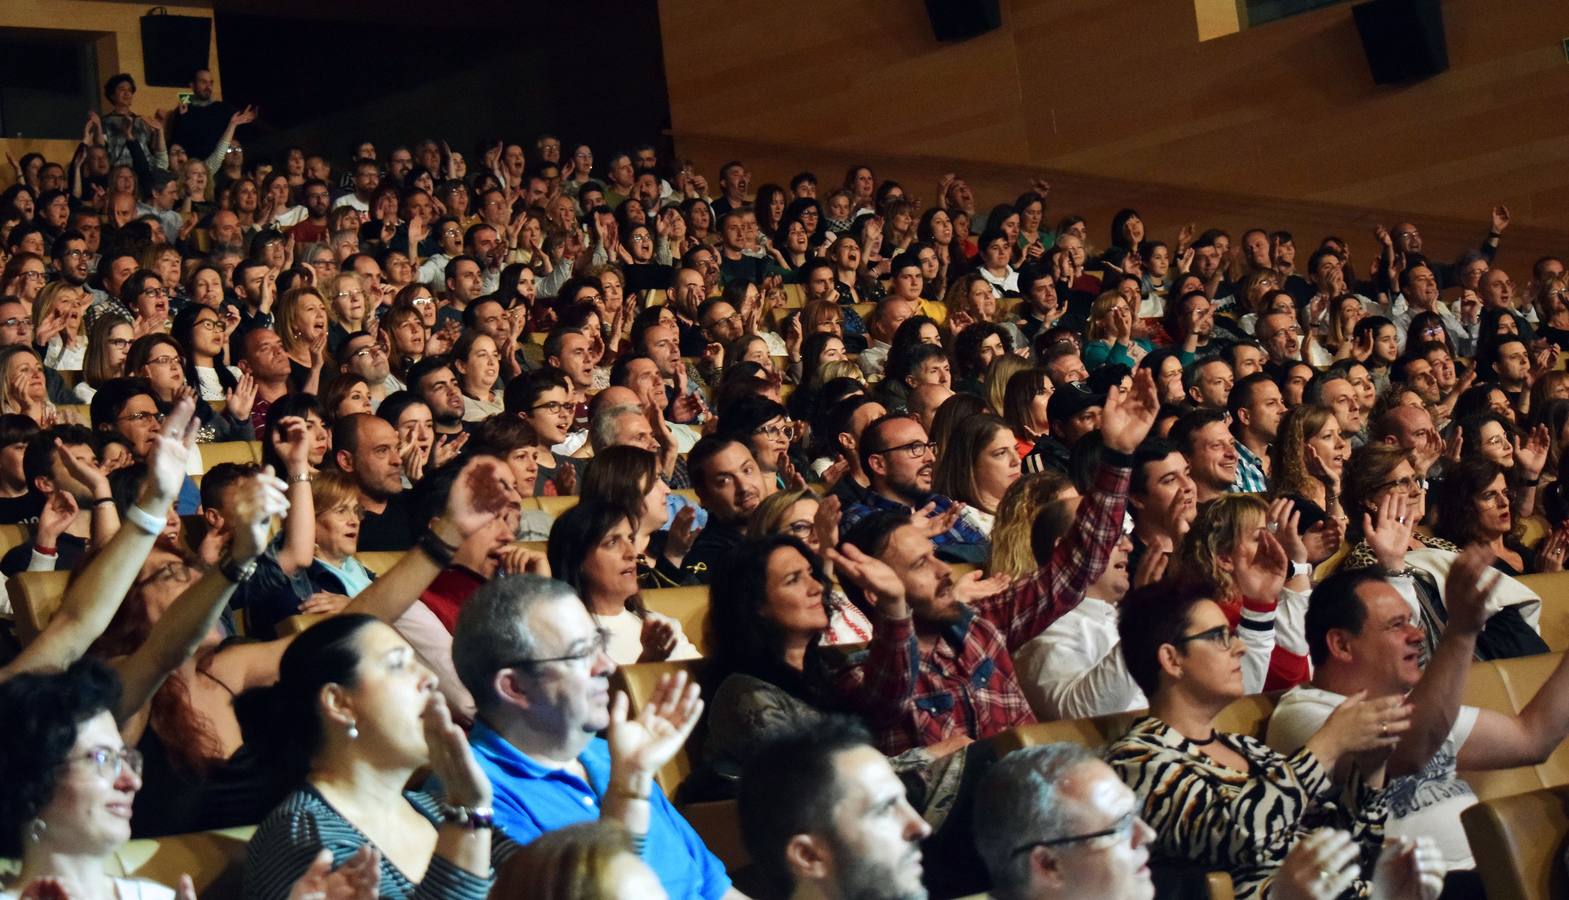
(1227, 802)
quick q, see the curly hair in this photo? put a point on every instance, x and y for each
(1010, 553)
(1217, 530)
(1288, 455)
(44, 714)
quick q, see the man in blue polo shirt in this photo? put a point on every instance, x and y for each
(528, 651)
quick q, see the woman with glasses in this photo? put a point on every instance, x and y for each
(160, 360)
(348, 308)
(108, 342)
(351, 717)
(1476, 505)
(1227, 801)
(1387, 499)
(766, 429)
(24, 277)
(594, 548)
(70, 784)
(145, 296)
(203, 339)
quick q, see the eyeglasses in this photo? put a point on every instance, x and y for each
(1221, 635)
(166, 360)
(155, 292)
(116, 343)
(366, 352)
(423, 301)
(110, 763)
(15, 322)
(33, 276)
(341, 294)
(139, 418)
(733, 317)
(600, 645)
(209, 324)
(73, 254)
(554, 407)
(915, 449)
(1410, 484)
(1120, 831)
(784, 430)
(1495, 441)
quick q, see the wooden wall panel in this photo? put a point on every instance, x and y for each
(1124, 89)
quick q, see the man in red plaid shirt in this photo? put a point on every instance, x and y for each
(965, 687)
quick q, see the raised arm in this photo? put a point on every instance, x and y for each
(92, 598)
(1436, 697)
(181, 628)
(299, 526)
(884, 683)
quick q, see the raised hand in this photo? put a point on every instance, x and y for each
(1471, 581)
(1151, 567)
(1389, 534)
(876, 579)
(451, 761)
(479, 495)
(54, 518)
(1127, 417)
(292, 443)
(1531, 456)
(1550, 555)
(681, 536)
(242, 399)
(640, 746)
(658, 638)
(970, 586)
(1262, 577)
(932, 523)
(171, 451)
(1360, 725)
(445, 448)
(837, 470)
(243, 116)
(518, 559)
(1500, 218)
(825, 524)
(1323, 540)
(259, 499)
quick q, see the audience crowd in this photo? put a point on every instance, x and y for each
(943, 470)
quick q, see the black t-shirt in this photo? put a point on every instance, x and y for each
(21, 510)
(391, 529)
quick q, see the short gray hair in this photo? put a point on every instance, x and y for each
(492, 633)
(1020, 800)
(605, 429)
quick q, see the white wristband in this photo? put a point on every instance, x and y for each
(1303, 569)
(145, 520)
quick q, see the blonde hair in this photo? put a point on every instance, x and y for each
(288, 309)
(572, 863)
(334, 287)
(1216, 532)
(1100, 314)
(1001, 369)
(770, 514)
(1010, 547)
(839, 368)
(44, 303)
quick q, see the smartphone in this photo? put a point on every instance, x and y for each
(184, 97)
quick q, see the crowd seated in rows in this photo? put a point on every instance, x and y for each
(528, 522)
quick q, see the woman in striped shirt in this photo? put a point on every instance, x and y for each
(1227, 802)
(354, 715)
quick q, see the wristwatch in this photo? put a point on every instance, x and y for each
(472, 818)
(1302, 569)
(236, 571)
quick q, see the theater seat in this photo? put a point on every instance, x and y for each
(35, 597)
(719, 825)
(12, 536)
(639, 681)
(1553, 588)
(795, 296)
(1506, 686)
(379, 561)
(295, 624)
(1522, 838)
(228, 452)
(687, 605)
(1247, 715)
(215, 860)
(555, 506)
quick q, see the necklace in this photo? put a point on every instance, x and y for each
(1213, 737)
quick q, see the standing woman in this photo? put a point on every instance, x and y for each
(593, 548)
(301, 320)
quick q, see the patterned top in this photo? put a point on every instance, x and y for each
(1250, 472)
(966, 683)
(961, 533)
(1241, 822)
(288, 840)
